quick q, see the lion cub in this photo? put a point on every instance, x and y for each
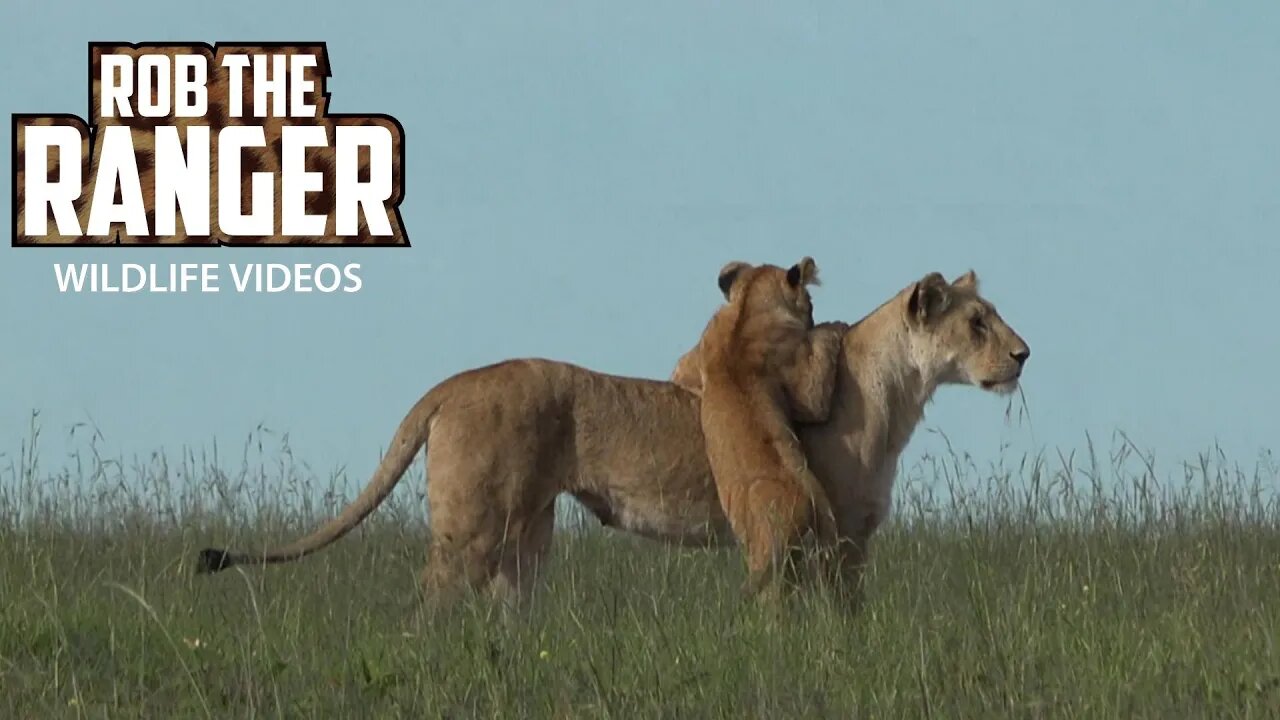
(750, 351)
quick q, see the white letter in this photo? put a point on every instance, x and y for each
(154, 279)
(235, 82)
(190, 94)
(182, 181)
(117, 165)
(110, 94)
(350, 272)
(209, 278)
(40, 195)
(131, 269)
(272, 286)
(262, 190)
(351, 192)
(296, 181)
(74, 276)
(321, 285)
(274, 87)
(242, 282)
(159, 84)
(300, 274)
(107, 287)
(300, 86)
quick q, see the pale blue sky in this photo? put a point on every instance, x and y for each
(577, 173)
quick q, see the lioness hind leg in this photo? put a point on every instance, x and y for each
(457, 567)
(522, 559)
(771, 521)
(761, 569)
(463, 553)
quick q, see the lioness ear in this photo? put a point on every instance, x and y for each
(729, 274)
(928, 298)
(804, 272)
(967, 281)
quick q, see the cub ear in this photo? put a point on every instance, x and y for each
(967, 281)
(929, 298)
(729, 274)
(803, 273)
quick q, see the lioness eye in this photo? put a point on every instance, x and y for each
(977, 323)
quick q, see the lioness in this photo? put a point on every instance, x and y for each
(930, 333)
(762, 478)
(504, 440)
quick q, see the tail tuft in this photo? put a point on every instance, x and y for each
(212, 560)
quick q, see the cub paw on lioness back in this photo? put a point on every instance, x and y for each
(752, 351)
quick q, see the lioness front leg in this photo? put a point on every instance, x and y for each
(845, 567)
(810, 379)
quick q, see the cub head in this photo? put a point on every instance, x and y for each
(769, 288)
(958, 335)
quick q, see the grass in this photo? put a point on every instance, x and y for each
(1053, 588)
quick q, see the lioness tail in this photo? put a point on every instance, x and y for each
(412, 434)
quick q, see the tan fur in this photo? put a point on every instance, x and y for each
(808, 380)
(504, 440)
(762, 478)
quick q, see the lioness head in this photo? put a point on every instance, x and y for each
(771, 288)
(957, 334)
